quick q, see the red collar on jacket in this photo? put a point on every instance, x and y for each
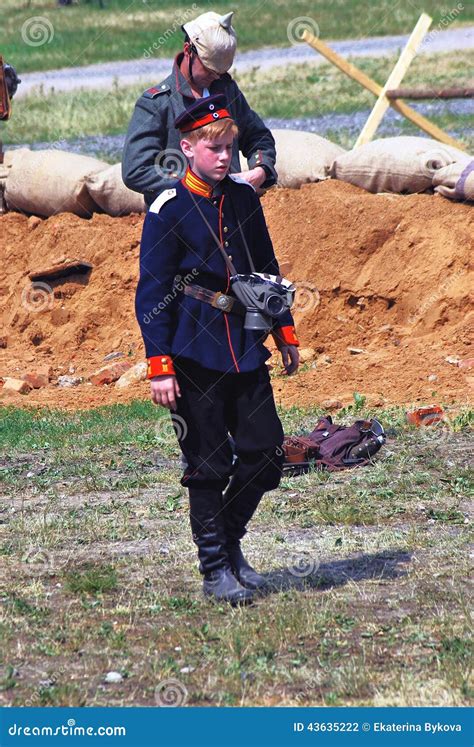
(195, 184)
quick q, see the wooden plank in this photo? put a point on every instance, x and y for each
(347, 67)
(420, 94)
(394, 79)
(70, 267)
(424, 124)
(353, 72)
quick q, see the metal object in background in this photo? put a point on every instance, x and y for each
(9, 81)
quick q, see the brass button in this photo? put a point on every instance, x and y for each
(226, 243)
(225, 229)
(230, 256)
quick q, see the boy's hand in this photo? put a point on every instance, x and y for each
(290, 358)
(164, 390)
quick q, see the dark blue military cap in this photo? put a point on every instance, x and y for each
(202, 112)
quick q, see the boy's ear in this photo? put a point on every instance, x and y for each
(187, 148)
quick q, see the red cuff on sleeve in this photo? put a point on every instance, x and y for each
(285, 336)
(160, 365)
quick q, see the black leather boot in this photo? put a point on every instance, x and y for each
(255, 473)
(208, 528)
(243, 571)
(223, 586)
(239, 508)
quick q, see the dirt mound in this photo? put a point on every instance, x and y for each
(385, 274)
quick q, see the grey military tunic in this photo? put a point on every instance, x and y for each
(152, 158)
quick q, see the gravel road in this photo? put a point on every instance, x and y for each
(147, 70)
(110, 147)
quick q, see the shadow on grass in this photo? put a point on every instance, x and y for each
(382, 566)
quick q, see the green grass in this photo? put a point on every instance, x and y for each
(99, 570)
(130, 29)
(44, 429)
(93, 580)
(304, 91)
(308, 90)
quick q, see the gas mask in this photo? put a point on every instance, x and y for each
(265, 297)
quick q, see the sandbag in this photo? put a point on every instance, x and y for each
(456, 181)
(46, 182)
(396, 164)
(302, 157)
(9, 156)
(109, 192)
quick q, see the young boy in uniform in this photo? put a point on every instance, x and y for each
(204, 365)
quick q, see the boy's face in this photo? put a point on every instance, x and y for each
(210, 159)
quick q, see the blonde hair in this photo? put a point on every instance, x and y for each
(211, 131)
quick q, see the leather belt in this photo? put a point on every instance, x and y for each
(215, 298)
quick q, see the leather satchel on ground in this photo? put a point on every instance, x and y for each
(333, 447)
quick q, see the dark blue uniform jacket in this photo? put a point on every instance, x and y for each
(177, 242)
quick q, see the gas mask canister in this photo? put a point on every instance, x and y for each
(265, 297)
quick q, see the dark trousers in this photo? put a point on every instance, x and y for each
(211, 406)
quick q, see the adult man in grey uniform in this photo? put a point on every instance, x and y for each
(152, 158)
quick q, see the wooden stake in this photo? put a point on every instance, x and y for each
(353, 72)
(422, 94)
(394, 79)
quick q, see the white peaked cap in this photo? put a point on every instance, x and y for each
(214, 39)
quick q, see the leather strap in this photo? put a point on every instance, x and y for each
(215, 298)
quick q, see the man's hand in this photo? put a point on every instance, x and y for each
(255, 177)
(290, 358)
(164, 390)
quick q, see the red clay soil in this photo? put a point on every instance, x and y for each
(387, 274)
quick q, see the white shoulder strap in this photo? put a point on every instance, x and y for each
(162, 198)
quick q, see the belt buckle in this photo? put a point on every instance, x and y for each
(223, 302)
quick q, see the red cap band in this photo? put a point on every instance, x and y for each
(207, 119)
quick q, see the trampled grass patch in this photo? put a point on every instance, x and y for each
(99, 571)
(130, 29)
